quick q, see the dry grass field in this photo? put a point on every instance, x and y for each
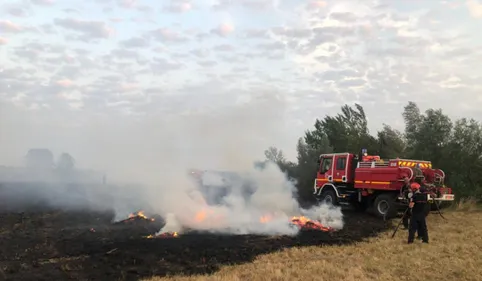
(454, 253)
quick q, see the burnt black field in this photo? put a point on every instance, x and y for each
(52, 244)
(40, 240)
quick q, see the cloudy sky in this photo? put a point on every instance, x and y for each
(70, 63)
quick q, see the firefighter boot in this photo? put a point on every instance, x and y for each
(411, 231)
(423, 231)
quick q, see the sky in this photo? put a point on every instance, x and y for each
(72, 71)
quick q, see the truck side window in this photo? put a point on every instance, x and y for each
(325, 165)
(341, 163)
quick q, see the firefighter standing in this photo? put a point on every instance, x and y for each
(418, 223)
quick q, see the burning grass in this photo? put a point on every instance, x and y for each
(140, 214)
(301, 222)
(454, 253)
(306, 223)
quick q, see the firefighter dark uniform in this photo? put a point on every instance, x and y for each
(418, 223)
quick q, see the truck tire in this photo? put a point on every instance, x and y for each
(385, 206)
(328, 196)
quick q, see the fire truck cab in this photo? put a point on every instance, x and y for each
(369, 182)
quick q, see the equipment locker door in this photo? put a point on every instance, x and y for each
(341, 171)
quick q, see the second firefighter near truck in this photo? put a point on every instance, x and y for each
(418, 221)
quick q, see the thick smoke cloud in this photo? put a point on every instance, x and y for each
(257, 201)
(147, 160)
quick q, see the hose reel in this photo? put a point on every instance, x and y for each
(417, 173)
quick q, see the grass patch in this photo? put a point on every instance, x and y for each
(467, 205)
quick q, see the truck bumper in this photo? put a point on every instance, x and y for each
(445, 197)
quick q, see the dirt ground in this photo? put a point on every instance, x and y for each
(55, 245)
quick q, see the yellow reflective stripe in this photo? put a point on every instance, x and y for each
(413, 164)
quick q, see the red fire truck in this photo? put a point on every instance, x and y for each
(368, 182)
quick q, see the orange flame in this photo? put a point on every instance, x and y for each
(265, 218)
(201, 216)
(208, 214)
(301, 222)
(306, 223)
(140, 214)
(164, 235)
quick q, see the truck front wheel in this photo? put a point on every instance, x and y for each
(385, 206)
(328, 196)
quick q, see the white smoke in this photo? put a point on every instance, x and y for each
(150, 157)
(265, 206)
(328, 215)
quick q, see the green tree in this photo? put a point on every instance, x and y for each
(413, 121)
(453, 147)
(347, 131)
(434, 135)
(427, 134)
(390, 143)
(463, 158)
(274, 154)
(65, 162)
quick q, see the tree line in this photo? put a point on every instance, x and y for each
(44, 158)
(453, 146)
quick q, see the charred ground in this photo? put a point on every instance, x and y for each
(58, 245)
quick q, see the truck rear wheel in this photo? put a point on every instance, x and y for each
(385, 206)
(328, 196)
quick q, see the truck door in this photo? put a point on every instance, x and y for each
(341, 173)
(326, 168)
